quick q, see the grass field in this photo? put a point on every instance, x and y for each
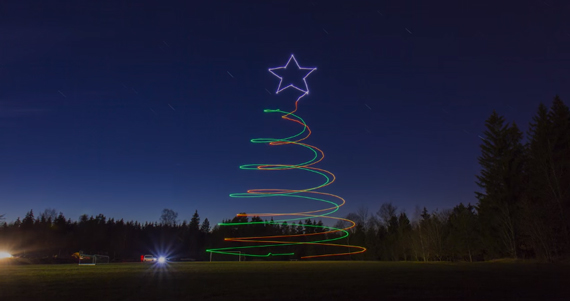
(287, 281)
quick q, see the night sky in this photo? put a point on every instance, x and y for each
(128, 107)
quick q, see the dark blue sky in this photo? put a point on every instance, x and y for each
(127, 107)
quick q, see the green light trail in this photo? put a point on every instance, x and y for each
(273, 241)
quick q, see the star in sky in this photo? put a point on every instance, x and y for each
(285, 83)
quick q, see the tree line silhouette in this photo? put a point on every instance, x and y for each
(521, 212)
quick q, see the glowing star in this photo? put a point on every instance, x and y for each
(306, 72)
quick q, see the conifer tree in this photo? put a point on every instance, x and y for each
(194, 234)
(548, 197)
(559, 116)
(28, 221)
(463, 236)
(194, 225)
(205, 228)
(501, 178)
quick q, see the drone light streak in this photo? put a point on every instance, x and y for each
(309, 194)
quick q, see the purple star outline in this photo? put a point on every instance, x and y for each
(279, 89)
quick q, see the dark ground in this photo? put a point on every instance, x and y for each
(342, 280)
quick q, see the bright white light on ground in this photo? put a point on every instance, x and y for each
(5, 255)
(161, 259)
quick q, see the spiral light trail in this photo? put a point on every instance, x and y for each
(328, 236)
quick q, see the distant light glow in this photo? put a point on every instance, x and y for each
(272, 242)
(161, 259)
(5, 255)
